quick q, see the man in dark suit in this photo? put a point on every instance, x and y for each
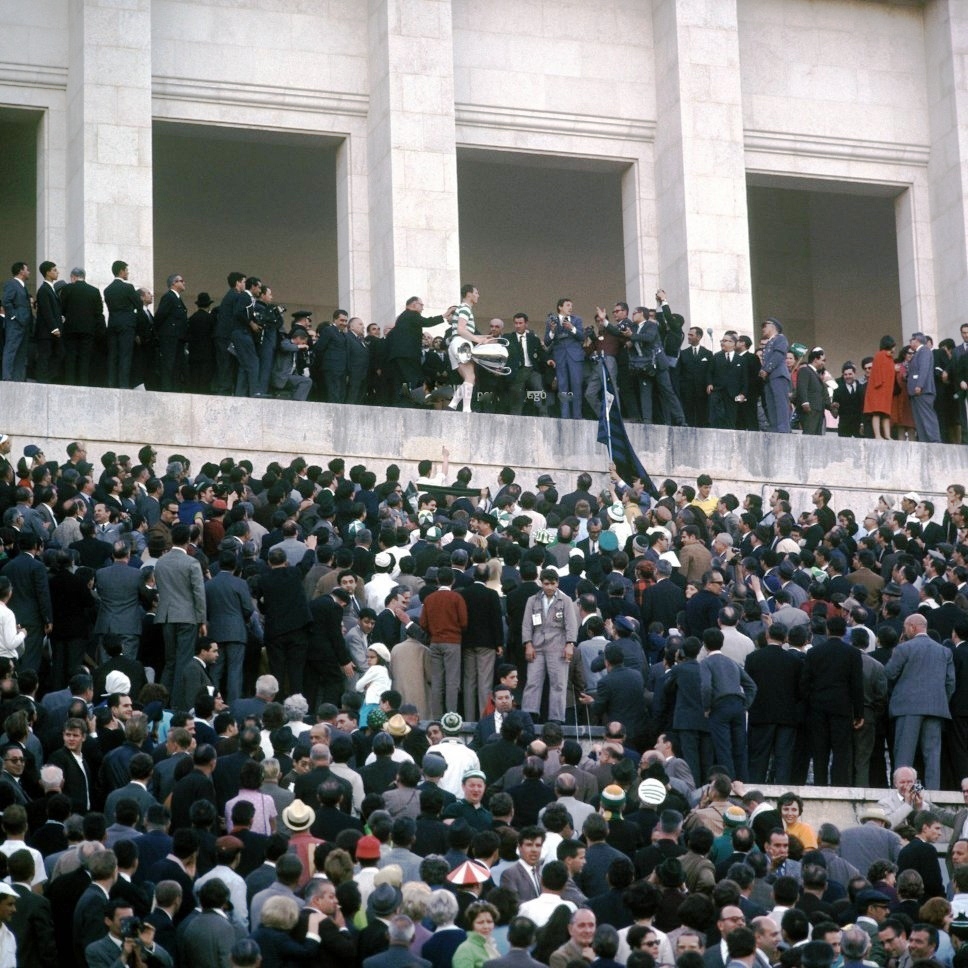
(681, 702)
(403, 347)
(482, 642)
(123, 304)
(695, 363)
(171, 327)
(47, 329)
(727, 385)
(775, 714)
(848, 402)
(30, 601)
(564, 334)
(19, 321)
(83, 310)
(920, 854)
(662, 601)
(224, 321)
(620, 696)
(80, 778)
(504, 751)
(646, 347)
(811, 396)
(330, 358)
(833, 684)
(329, 660)
(32, 923)
(488, 727)
(527, 361)
(357, 362)
(88, 918)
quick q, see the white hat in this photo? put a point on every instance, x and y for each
(383, 559)
(117, 682)
(380, 649)
(616, 511)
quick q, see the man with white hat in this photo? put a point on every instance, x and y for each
(872, 840)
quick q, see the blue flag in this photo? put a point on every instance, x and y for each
(612, 432)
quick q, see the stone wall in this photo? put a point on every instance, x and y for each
(207, 428)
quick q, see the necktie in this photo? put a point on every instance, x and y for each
(537, 879)
(695, 352)
(524, 349)
(729, 357)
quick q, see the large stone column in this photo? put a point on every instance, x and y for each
(946, 58)
(411, 156)
(704, 260)
(109, 202)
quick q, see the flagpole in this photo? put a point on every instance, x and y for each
(606, 405)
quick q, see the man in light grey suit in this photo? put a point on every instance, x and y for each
(229, 607)
(922, 391)
(922, 674)
(181, 604)
(20, 320)
(119, 613)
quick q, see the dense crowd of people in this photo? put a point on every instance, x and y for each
(659, 368)
(316, 716)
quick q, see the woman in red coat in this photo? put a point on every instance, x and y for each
(880, 390)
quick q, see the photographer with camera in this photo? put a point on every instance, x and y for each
(285, 374)
(269, 317)
(129, 941)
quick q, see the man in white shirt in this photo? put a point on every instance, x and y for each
(554, 877)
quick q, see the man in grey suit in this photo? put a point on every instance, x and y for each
(181, 605)
(922, 391)
(141, 767)
(119, 613)
(521, 939)
(229, 607)
(775, 376)
(208, 939)
(921, 673)
(191, 680)
(20, 320)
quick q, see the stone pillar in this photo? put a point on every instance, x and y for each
(700, 184)
(411, 156)
(638, 231)
(353, 228)
(109, 184)
(915, 260)
(946, 59)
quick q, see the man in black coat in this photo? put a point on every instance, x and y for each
(528, 361)
(224, 323)
(727, 383)
(201, 347)
(288, 619)
(83, 310)
(171, 327)
(404, 344)
(848, 402)
(47, 328)
(833, 684)
(328, 661)
(124, 304)
(920, 854)
(481, 642)
(30, 601)
(663, 601)
(775, 714)
(695, 363)
(329, 364)
(620, 696)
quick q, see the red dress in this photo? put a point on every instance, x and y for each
(880, 386)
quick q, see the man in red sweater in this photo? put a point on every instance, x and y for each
(444, 618)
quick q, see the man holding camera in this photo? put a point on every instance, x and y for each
(129, 941)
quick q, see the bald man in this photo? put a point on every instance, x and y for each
(922, 675)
